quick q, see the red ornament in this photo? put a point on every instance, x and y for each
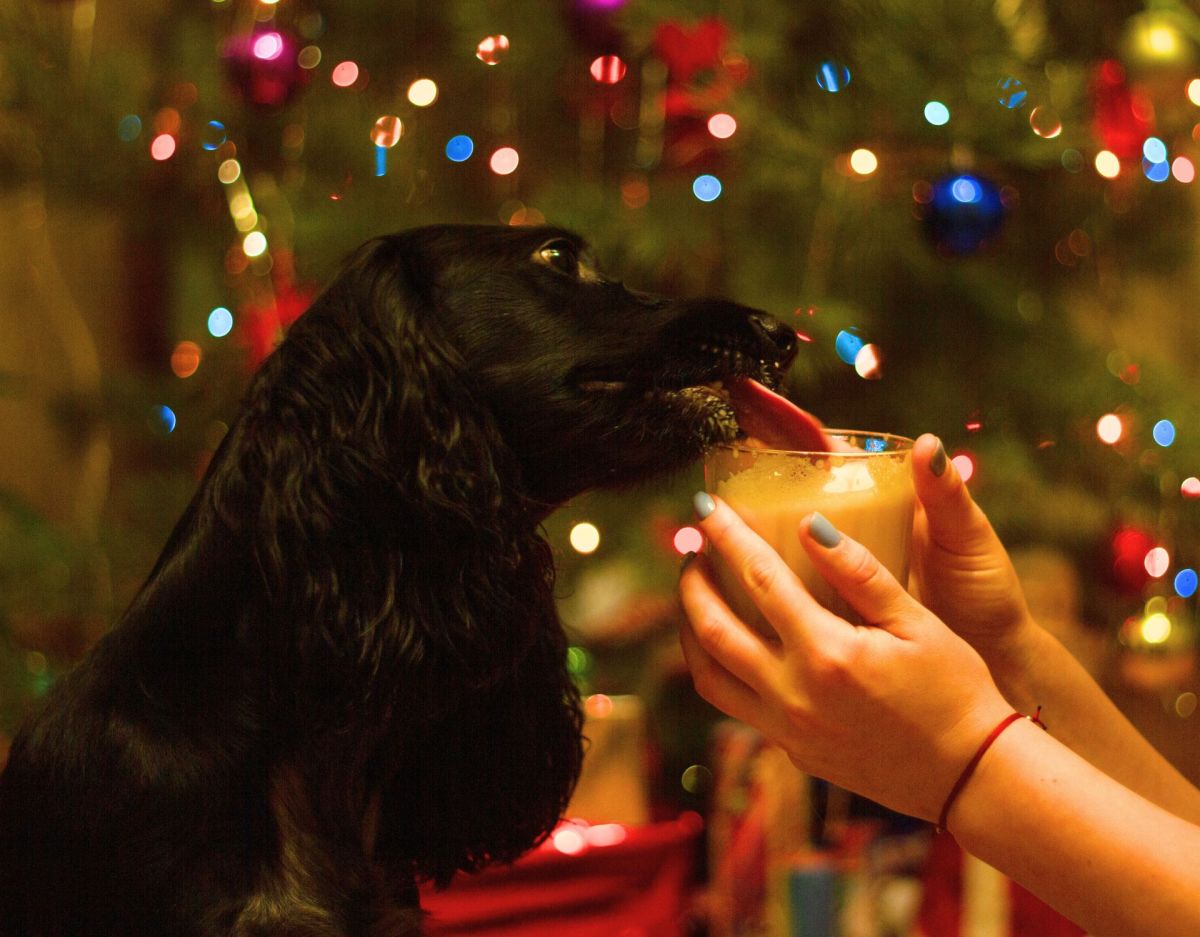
(701, 78)
(1123, 116)
(262, 65)
(1129, 548)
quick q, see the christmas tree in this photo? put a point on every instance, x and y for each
(978, 217)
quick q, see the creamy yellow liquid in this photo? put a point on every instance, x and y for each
(868, 497)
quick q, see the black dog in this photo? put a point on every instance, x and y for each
(345, 673)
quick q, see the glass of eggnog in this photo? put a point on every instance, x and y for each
(864, 487)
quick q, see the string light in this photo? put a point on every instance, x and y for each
(459, 148)
(162, 147)
(422, 92)
(1107, 164)
(722, 126)
(707, 188)
(937, 113)
(863, 162)
(504, 161)
(965, 466)
(1110, 429)
(220, 322)
(585, 537)
(344, 74)
(688, 540)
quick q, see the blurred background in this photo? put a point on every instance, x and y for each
(979, 216)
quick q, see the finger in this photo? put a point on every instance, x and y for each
(856, 574)
(775, 590)
(953, 521)
(716, 684)
(727, 639)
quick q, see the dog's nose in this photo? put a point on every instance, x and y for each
(775, 334)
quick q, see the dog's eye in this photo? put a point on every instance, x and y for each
(561, 255)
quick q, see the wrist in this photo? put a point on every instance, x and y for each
(1012, 660)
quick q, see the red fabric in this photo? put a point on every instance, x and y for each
(942, 900)
(640, 887)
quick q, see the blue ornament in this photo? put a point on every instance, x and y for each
(963, 213)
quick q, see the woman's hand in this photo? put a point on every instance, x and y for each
(961, 571)
(893, 709)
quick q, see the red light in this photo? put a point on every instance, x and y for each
(688, 540)
(608, 69)
(965, 465)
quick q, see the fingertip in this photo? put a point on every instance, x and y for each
(822, 531)
(704, 504)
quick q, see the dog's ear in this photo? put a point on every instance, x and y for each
(390, 532)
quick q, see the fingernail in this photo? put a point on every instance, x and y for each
(704, 504)
(937, 464)
(823, 532)
(687, 561)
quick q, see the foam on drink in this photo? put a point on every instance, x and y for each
(866, 495)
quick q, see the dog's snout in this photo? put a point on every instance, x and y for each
(775, 334)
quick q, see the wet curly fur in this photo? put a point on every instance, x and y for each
(345, 673)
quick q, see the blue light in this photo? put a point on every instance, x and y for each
(875, 444)
(937, 113)
(966, 190)
(129, 127)
(380, 160)
(1185, 583)
(833, 77)
(1154, 150)
(460, 148)
(214, 135)
(847, 345)
(1164, 433)
(1012, 92)
(220, 322)
(167, 417)
(706, 188)
(1156, 172)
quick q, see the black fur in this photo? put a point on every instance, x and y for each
(345, 673)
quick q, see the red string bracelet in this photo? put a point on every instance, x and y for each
(974, 762)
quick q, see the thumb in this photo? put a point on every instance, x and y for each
(954, 521)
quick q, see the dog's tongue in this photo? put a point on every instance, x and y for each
(774, 422)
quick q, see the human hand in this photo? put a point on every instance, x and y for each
(892, 709)
(961, 571)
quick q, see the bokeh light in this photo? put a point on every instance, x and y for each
(1156, 628)
(1156, 172)
(1107, 164)
(1186, 581)
(166, 417)
(422, 92)
(387, 130)
(1183, 169)
(162, 147)
(937, 113)
(605, 834)
(1163, 432)
(309, 57)
(1012, 92)
(1110, 429)
(868, 363)
(584, 537)
(344, 74)
(1157, 562)
(1154, 150)
(267, 46)
(220, 322)
(229, 171)
(214, 135)
(722, 126)
(607, 69)
(504, 161)
(492, 49)
(707, 188)
(459, 148)
(964, 465)
(863, 161)
(688, 540)
(129, 128)
(569, 840)
(185, 359)
(833, 77)
(1190, 487)
(1045, 122)
(847, 344)
(1193, 91)
(254, 244)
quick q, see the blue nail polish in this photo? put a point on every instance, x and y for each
(824, 532)
(704, 504)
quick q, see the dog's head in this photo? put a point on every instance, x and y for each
(591, 384)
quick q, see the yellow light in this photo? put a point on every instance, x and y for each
(1156, 628)
(585, 538)
(229, 171)
(1162, 40)
(254, 244)
(423, 92)
(1107, 164)
(863, 162)
(1193, 91)
(1110, 429)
